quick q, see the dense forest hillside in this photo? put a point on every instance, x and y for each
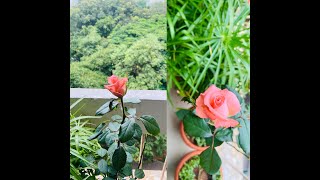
(122, 37)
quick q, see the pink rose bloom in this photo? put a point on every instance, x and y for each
(117, 86)
(218, 105)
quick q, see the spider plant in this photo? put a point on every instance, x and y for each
(208, 43)
(80, 146)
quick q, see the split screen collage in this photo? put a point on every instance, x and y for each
(160, 89)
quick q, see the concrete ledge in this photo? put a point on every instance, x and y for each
(105, 94)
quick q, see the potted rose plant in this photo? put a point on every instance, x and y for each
(118, 136)
(189, 168)
(214, 116)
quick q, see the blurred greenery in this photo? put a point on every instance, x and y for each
(208, 43)
(155, 149)
(121, 37)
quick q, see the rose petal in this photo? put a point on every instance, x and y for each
(225, 123)
(123, 81)
(222, 111)
(200, 107)
(212, 89)
(232, 103)
(109, 87)
(211, 116)
(112, 79)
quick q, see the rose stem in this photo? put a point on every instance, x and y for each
(123, 118)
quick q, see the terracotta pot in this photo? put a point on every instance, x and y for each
(184, 160)
(188, 141)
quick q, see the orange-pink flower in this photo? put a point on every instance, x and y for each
(117, 86)
(218, 105)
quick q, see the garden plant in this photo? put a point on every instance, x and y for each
(119, 135)
(208, 42)
(82, 151)
(215, 116)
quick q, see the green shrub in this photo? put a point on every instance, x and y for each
(208, 43)
(82, 151)
(81, 77)
(187, 171)
(144, 64)
(156, 146)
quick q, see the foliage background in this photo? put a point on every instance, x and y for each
(208, 43)
(126, 38)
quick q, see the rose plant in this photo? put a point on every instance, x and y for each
(214, 116)
(118, 136)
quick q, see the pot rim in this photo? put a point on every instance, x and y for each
(185, 159)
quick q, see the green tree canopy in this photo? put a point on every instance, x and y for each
(122, 37)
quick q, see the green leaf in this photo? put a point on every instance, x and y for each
(97, 132)
(129, 157)
(89, 159)
(196, 127)
(102, 137)
(137, 132)
(74, 173)
(111, 138)
(112, 173)
(75, 103)
(127, 170)
(119, 158)
(210, 160)
(101, 152)
(103, 166)
(131, 142)
(224, 135)
(114, 126)
(132, 100)
(138, 173)
(117, 118)
(216, 141)
(132, 111)
(107, 107)
(131, 149)
(126, 131)
(112, 148)
(150, 124)
(99, 128)
(244, 135)
(182, 113)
